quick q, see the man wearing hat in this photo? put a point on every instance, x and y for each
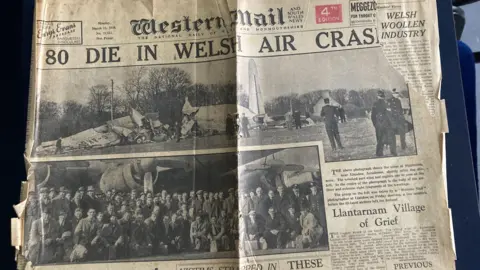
(208, 204)
(230, 202)
(60, 204)
(329, 114)
(266, 203)
(52, 194)
(382, 121)
(81, 192)
(65, 233)
(395, 106)
(197, 203)
(43, 199)
(90, 200)
(42, 244)
(32, 213)
(42, 240)
(297, 118)
(298, 200)
(316, 204)
(282, 201)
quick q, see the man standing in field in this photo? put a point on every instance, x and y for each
(381, 118)
(330, 114)
(244, 124)
(395, 105)
(58, 146)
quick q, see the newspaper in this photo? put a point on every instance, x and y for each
(247, 135)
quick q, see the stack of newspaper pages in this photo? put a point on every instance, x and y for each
(235, 135)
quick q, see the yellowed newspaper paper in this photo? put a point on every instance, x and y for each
(236, 135)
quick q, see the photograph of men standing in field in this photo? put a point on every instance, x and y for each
(353, 101)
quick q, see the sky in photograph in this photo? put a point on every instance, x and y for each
(62, 85)
(354, 69)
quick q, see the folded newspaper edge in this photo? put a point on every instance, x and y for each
(287, 132)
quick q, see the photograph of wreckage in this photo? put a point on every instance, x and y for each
(129, 200)
(146, 109)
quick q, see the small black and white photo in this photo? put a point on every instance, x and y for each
(219, 205)
(353, 101)
(129, 110)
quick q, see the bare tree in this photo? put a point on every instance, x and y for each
(166, 83)
(340, 96)
(49, 110)
(135, 87)
(99, 99)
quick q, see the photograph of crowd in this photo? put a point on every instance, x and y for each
(176, 208)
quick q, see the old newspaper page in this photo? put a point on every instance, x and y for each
(235, 135)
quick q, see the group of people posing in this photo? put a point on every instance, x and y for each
(89, 225)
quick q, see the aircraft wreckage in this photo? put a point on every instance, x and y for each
(260, 168)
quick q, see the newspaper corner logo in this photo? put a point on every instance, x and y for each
(328, 13)
(59, 32)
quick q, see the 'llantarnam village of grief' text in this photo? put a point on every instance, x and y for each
(229, 45)
(380, 221)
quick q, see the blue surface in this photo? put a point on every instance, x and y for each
(467, 66)
(460, 175)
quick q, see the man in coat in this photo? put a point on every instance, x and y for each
(198, 233)
(244, 126)
(166, 235)
(274, 229)
(86, 235)
(176, 232)
(208, 204)
(230, 202)
(140, 242)
(60, 204)
(217, 235)
(184, 230)
(90, 200)
(268, 202)
(298, 200)
(113, 234)
(292, 222)
(258, 200)
(281, 201)
(329, 114)
(42, 245)
(382, 121)
(246, 204)
(154, 230)
(254, 226)
(316, 204)
(395, 106)
(197, 203)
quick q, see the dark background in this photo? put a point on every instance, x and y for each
(16, 29)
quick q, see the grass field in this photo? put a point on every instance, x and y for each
(357, 135)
